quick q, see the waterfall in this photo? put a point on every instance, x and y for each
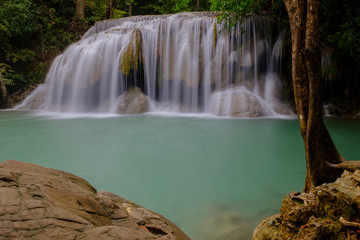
(184, 62)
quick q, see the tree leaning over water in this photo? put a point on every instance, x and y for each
(323, 161)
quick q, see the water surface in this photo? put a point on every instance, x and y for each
(215, 178)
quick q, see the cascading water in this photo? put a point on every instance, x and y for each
(182, 63)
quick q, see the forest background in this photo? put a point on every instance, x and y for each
(33, 32)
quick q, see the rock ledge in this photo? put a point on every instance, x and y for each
(43, 203)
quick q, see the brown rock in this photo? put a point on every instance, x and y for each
(316, 215)
(42, 203)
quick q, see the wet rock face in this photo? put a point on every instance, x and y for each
(316, 215)
(236, 103)
(133, 102)
(43, 203)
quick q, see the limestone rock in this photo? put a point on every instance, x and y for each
(237, 102)
(133, 102)
(316, 215)
(35, 100)
(42, 203)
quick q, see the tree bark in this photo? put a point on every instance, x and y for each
(306, 75)
(297, 14)
(197, 5)
(80, 9)
(130, 9)
(3, 96)
(109, 9)
(321, 148)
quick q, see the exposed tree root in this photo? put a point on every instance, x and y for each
(349, 224)
(348, 165)
(297, 196)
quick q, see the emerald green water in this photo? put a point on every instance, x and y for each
(215, 178)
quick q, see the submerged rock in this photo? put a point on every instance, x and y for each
(133, 102)
(223, 221)
(323, 213)
(42, 203)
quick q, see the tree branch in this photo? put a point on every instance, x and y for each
(349, 224)
(348, 165)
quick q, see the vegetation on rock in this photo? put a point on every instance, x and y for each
(330, 211)
(131, 57)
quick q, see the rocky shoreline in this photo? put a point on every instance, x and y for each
(43, 203)
(331, 211)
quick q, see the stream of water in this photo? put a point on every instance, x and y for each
(216, 178)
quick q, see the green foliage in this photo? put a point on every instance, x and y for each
(348, 39)
(18, 18)
(234, 11)
(29, 31)
(4, 30)
(95, 10)
(118, 14)
(340, 32)
(174, 6)
(4, 71)
(149, 7)
(20, 55)
(341, 27)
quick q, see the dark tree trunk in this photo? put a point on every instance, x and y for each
(109, 9)
(197, 5)
(3, 96)
(130, 9)
(80, 9)
(306, 74)
(297, 16)
(320, 147)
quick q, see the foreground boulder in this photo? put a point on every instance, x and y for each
(42, 203)
(330, 211)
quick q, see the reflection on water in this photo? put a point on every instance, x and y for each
(215, 178)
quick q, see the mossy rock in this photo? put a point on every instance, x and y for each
(131, 57)
(316, 215)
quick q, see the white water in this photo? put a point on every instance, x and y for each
(187, 64)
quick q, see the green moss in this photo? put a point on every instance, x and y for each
(127, 60)
(131, 57)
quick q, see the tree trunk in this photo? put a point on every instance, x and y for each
(197, 5)
(306, 74)
(109, 9)
(297, 14)
(130, 9)
(80, 9)
(3, 96)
